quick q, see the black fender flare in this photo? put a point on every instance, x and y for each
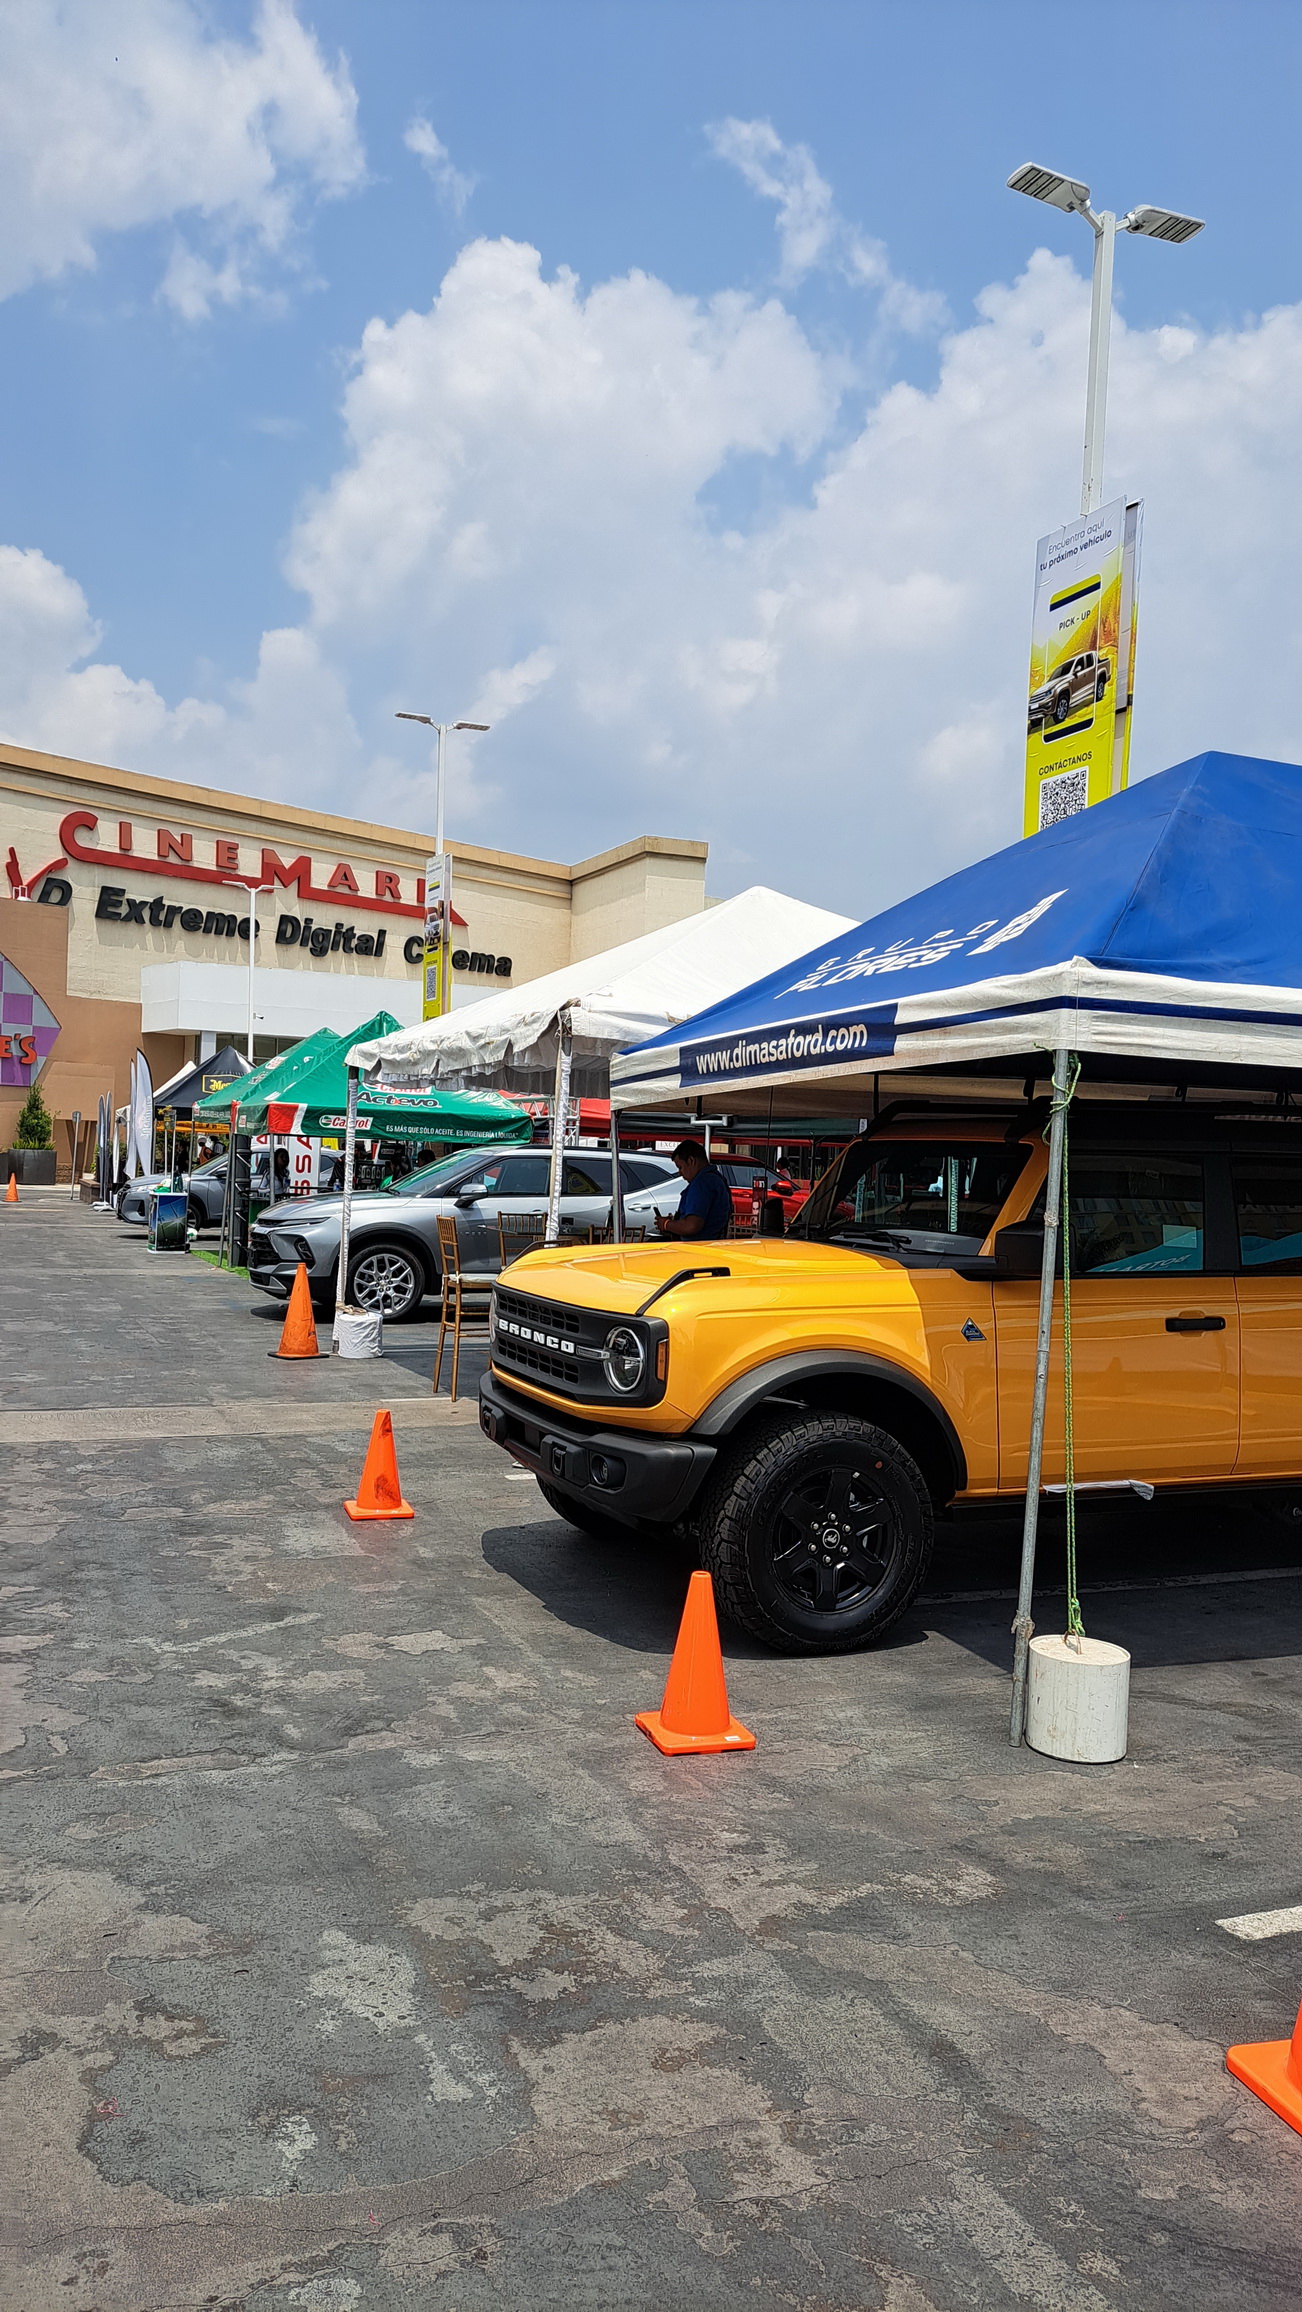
(730, 1408)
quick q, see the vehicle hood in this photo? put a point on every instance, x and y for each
(317, 1207)
(607, 1277)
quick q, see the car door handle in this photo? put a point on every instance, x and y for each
(1195, 1324)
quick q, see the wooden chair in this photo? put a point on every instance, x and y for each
(466, 1292)
(519, 1232)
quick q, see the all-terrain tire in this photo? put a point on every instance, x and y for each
(817, 1531)
(591, 1521)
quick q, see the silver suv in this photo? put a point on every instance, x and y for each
(393, 1254)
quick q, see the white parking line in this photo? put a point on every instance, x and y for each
(1257, 1926)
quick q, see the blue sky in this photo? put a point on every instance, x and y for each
(804, 568)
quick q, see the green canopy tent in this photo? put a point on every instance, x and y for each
(215, 1107)
(311, 1101)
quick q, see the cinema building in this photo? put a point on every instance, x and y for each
(125, 923)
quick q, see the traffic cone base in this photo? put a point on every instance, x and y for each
(380, 1495)
(694, 1715)
(734, 1737)
(298, 1333)
(1272, 2068)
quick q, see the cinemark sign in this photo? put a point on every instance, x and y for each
(175, 857)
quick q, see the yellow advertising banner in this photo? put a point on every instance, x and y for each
(438, 936)
(1082, 664)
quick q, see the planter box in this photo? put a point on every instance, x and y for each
(33, 1167)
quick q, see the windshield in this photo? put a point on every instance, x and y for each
(464, 1165)
(912, 1190)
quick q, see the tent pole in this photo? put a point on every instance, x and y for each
(346, 1212)
(1023, 1626)
(560, 1104)
(616, 1181)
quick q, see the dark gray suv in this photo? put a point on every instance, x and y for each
(205, 1188)
(393, 1258)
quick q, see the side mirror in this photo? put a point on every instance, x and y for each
(472, 1192)
(1019, 1251)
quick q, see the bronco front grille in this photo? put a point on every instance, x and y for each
(560, 1348)
(546, 1341)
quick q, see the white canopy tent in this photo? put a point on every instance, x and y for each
(619, 997)
(591, 1009)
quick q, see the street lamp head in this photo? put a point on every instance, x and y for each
(472, 726)
(1162, 224)
(401, 715)
(1048, 185)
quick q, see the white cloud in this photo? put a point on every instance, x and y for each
(811, 230)
(516, 532)
(435, 158)
(114, 118)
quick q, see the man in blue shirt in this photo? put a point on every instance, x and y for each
(705, 1206)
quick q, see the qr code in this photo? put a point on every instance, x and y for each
(1062, 797)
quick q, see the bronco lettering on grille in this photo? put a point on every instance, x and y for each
(542, 1340)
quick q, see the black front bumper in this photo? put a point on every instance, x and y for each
(624, 1473)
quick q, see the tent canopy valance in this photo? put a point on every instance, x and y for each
(618, 997)
(1162, 929)
(313, 1103)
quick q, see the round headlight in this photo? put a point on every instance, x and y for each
(624, 1359)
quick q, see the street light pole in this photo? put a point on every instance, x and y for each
(1096, 381)
(253, 891)
(440, 731)
(1070, 195)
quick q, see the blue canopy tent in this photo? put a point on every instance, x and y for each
(1162, 929)
(1157, 937)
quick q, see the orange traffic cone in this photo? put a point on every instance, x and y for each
(380, 1494)
(694, 1713)
(11, 1192)
(298, 1333)
(1272, 2068)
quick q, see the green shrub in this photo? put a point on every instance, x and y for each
(35, 1123)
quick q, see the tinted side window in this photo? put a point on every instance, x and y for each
(522, 1176)
(1268, 1201)
(586, 1176)
(1135, 1215)
(638, 1173)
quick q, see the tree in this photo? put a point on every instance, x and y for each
(35, 1123)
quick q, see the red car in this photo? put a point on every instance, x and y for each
(742, 1173)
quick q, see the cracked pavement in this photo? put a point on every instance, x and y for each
(361, 1953)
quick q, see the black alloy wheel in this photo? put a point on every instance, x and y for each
(387, 1279)
(817, 1532)
(1100, 686)
(1062, 706)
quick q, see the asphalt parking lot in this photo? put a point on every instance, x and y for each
(361, 1953)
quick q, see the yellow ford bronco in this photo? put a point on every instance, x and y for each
(804, 1405)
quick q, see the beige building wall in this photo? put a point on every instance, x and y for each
(169, 846)
(638, 887)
